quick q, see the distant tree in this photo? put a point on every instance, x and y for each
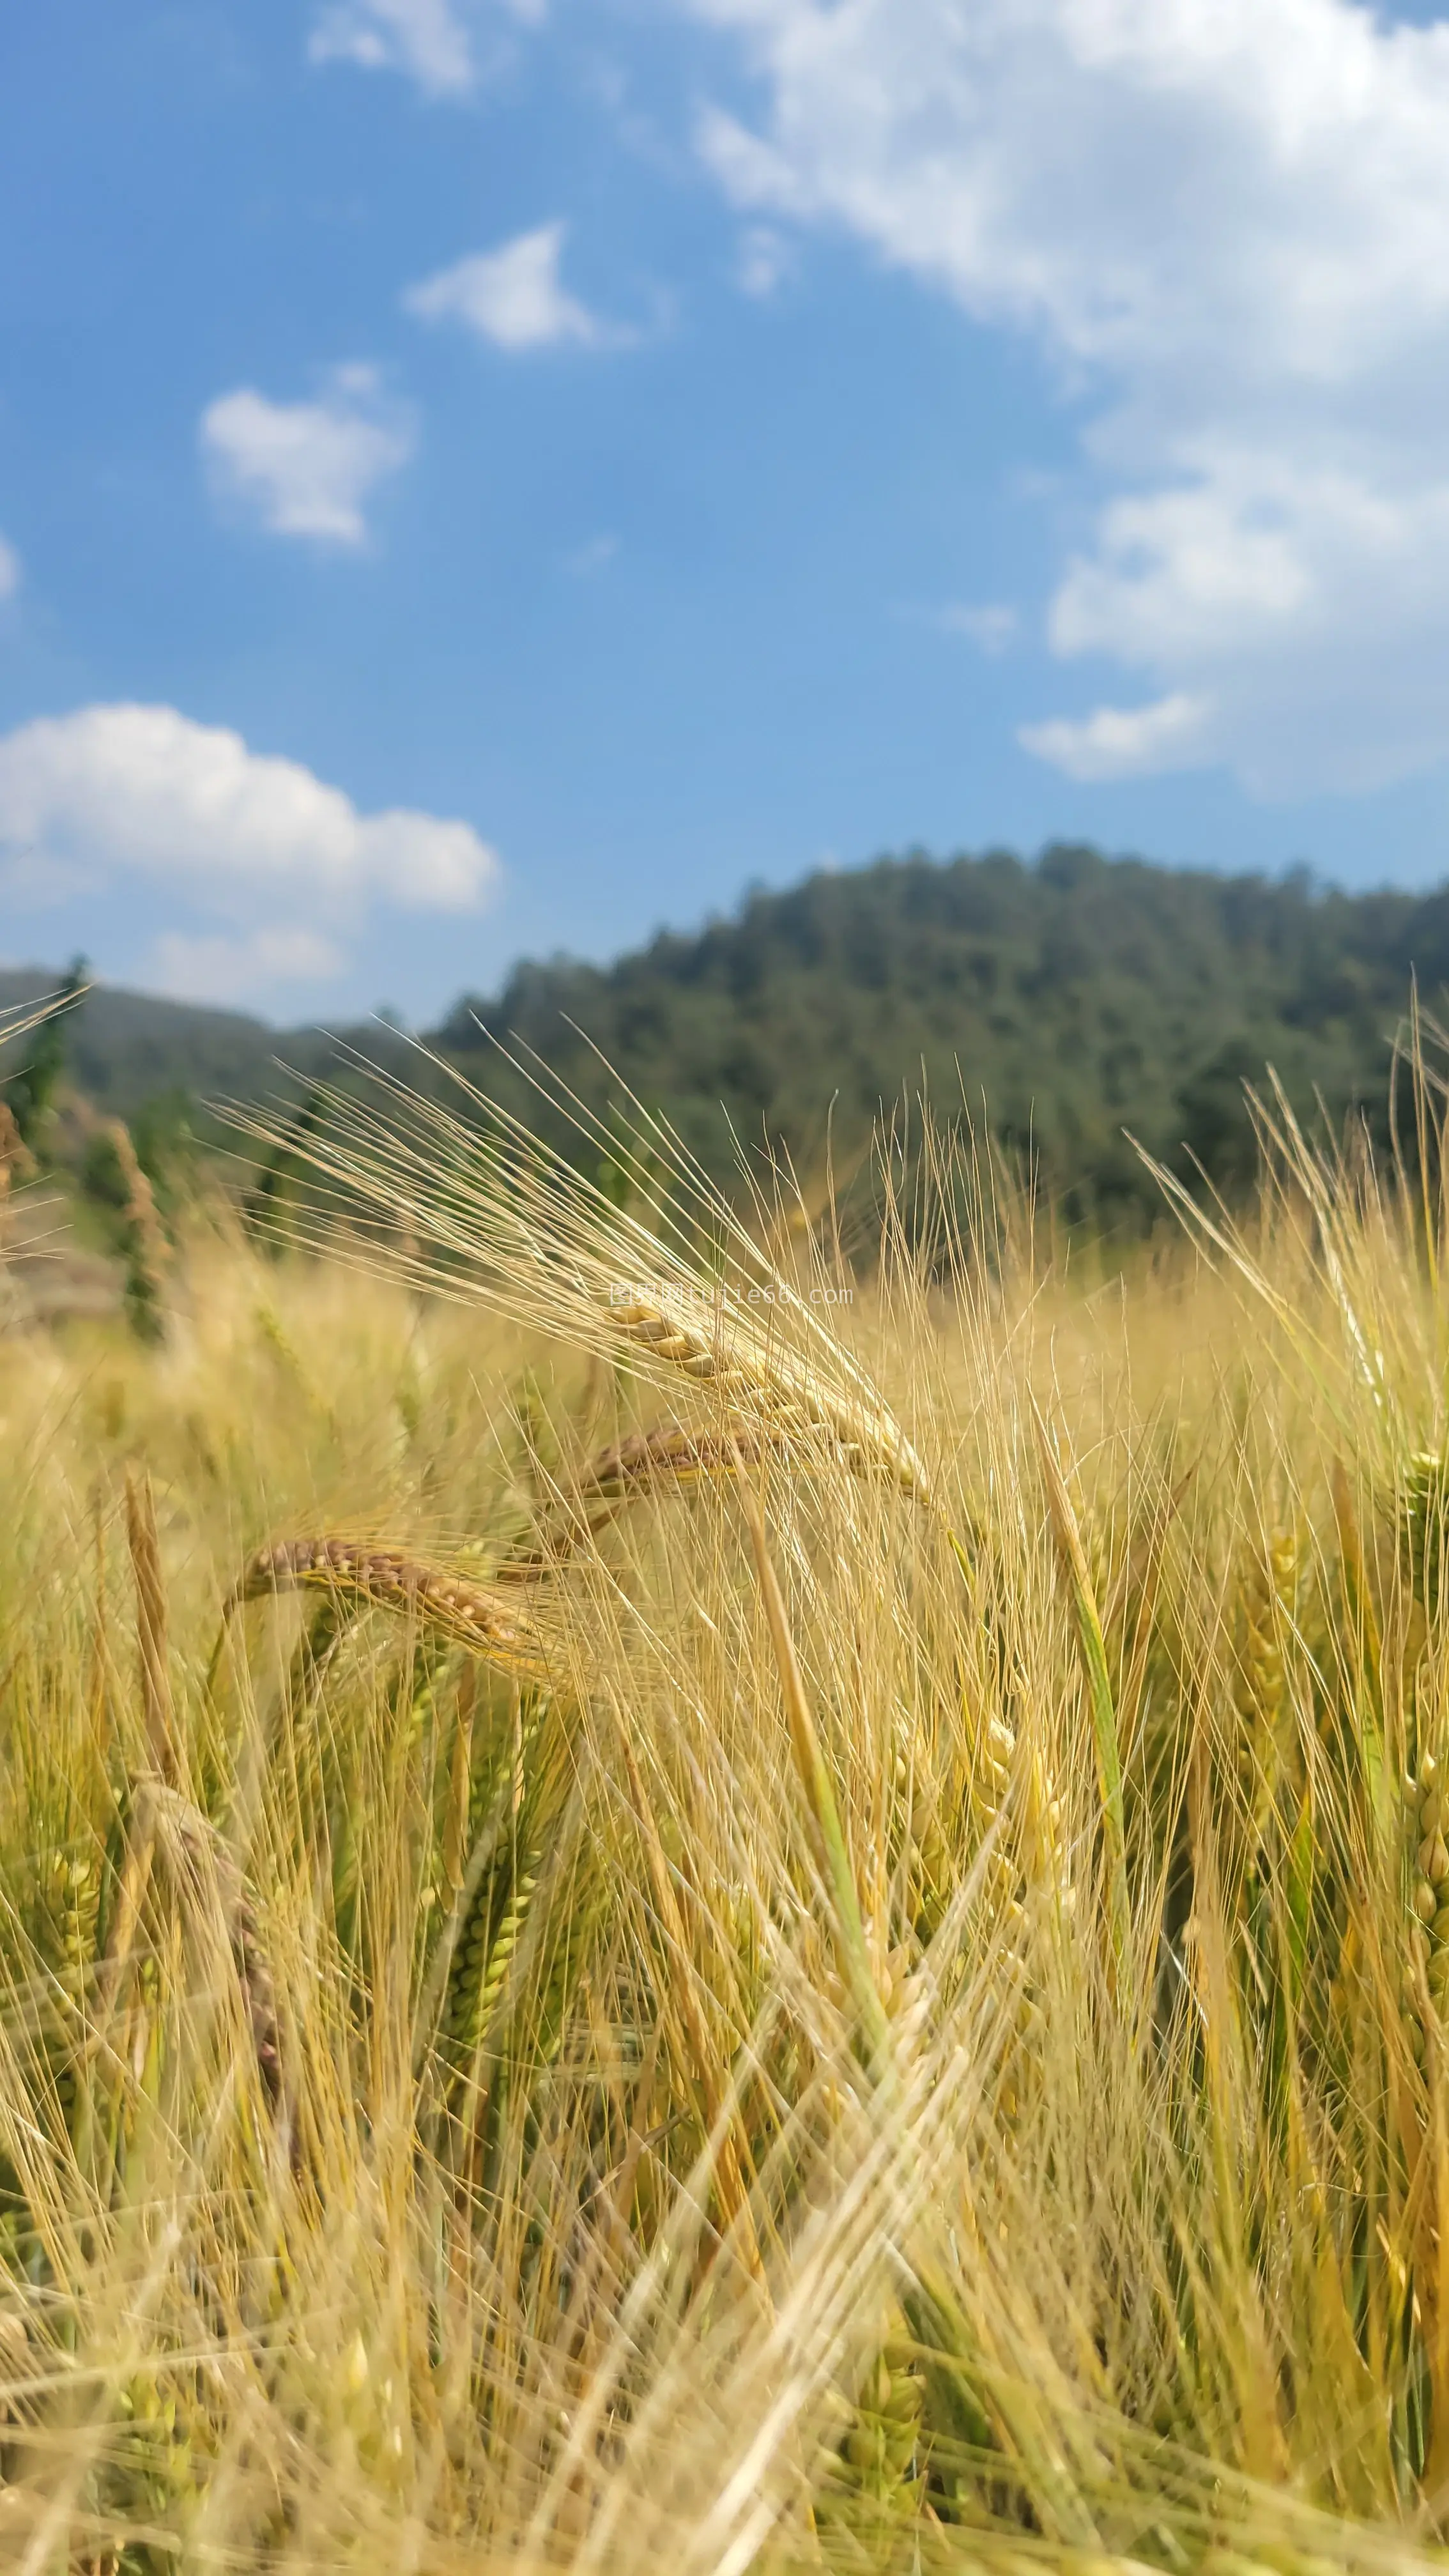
(1217, 1131)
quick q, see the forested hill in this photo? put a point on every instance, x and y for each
(128, 1051)
(1078, 996)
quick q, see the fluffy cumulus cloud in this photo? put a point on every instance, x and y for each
(1224, 220)
(307, 469)
(1124, 742)
(433, 42)
(514, 296)
(278, 870)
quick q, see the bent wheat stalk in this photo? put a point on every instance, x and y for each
(489, 1213)
(671, 1456)
(387, 1579)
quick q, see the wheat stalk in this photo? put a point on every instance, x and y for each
(1268, 1603)
(388, 1579)
(143, 1240)
(1072, 1558)
(673, 1456)
(491, 1214)
(732, 2155)
(218, 1908)
(156, 1700)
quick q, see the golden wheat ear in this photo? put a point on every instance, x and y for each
(386, 1578)
(672, 1458)
(477, 1208)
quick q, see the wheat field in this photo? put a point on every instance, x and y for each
(677, 1895)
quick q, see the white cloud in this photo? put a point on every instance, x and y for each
(145, 789)
(991, 626)
(432, 42)
(1123, 742)
(764, 259)
(423, 38)
(307, 469)
(514, 297)
(215, 967)
(1224, 221)
(9, 570)
(285, 863)
(594, 556)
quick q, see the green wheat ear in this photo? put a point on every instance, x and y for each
(1426, 1975)
(485, 1954)
(1424, 1521)
(875, 2472)
(1265, 1748)
(72, 1903)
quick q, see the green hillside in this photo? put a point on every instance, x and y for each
(128, 1050)
(1076, 996)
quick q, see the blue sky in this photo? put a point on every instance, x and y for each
(482, 478)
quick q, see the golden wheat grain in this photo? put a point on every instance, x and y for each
(388, 1579)
(673, 1456)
